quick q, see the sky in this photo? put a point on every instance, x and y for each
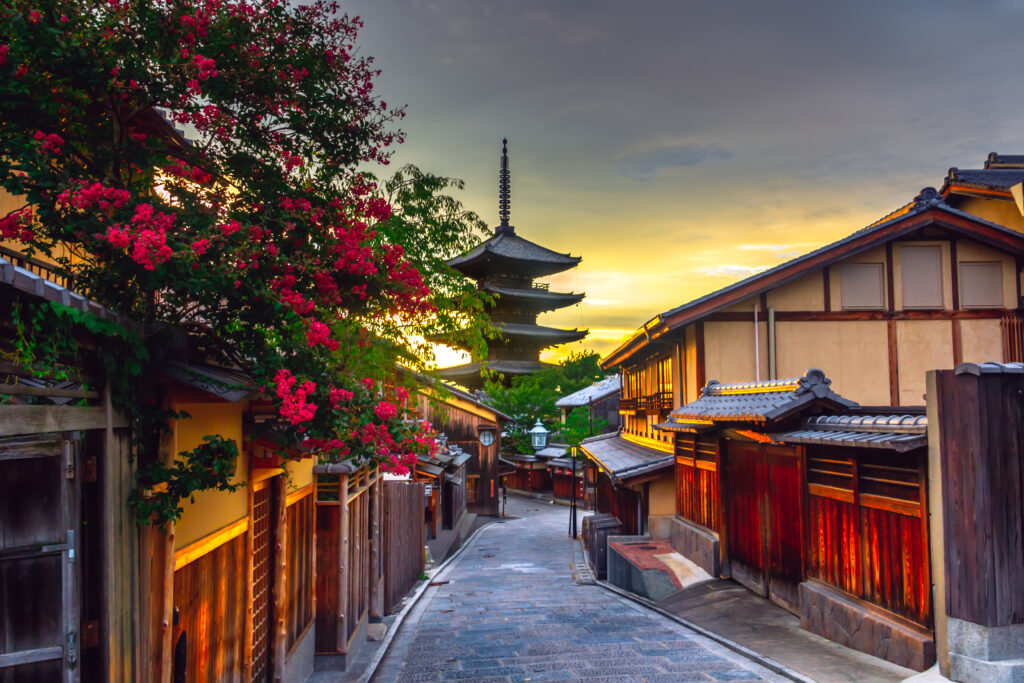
(680, 146)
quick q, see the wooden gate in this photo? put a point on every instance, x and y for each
(39, 562)
(765, 534)
(262, 578)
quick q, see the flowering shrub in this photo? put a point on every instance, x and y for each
(252, 225)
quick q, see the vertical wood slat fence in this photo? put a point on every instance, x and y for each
(348, 575)
(403, 538)
(1012, 327)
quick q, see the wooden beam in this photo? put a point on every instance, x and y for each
(279, 642)
(21, 419)
(954, 276)
(890, 284)
(207, 544)
(856, 316)
(166, 623)
(297, 495)
(894, 369)
(41, 654)
(247, 632)
(827, 287)
(958, 344)
(25, 390)
(343, 568)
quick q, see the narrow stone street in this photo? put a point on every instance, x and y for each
(509, 609)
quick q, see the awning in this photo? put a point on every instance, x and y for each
(230, 385)
(625, 460)
(684, 427)
(428, 469)
(894, 432)
(461, 459)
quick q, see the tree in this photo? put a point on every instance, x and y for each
(529, 397)
(257, 232)
(578, 425)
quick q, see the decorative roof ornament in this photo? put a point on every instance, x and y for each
(928, 196)
(504, 191)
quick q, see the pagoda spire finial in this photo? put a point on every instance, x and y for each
(504, 190)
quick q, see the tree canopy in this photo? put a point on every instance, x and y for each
(201, 164)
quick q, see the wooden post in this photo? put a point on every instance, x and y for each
(167, 622)
(376, 602)
(343, 567)
(279, 643)
(249, 592)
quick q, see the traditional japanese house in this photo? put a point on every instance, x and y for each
(600, 401)
(631, 478)
(532, 473)
(506, 266)
(561, 470)
(813, 502)
(475, 428)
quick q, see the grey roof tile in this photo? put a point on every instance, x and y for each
(623, 459)
(894, 432)
(608, 386)
(760, 401)
(990, 368)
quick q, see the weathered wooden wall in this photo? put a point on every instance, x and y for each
(403, 539)
(982, 443)
(300, 568)
(697, 494)
(210, 595)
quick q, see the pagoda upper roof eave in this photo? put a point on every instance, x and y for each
(506, 249)
(538, 297)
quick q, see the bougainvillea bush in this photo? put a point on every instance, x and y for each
(196, 164)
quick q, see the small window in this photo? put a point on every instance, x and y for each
(981, 284)
(861, 286)
(921, 269)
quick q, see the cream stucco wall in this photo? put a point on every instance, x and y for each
(921, 345)
(1001, 211)
(981, 341)
(853, 354)
(729, 351)
(211, 510)
(803, 294)
(663, 495)
(690, 351)
(299, 473)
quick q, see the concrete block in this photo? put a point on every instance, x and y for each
(988, 643)
(694, 542)
(376, 632)
(971, 670)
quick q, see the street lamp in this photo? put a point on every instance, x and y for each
(538, 436)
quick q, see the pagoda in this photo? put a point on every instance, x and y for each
(506, 265)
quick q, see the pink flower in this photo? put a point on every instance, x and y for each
(200, 247)
(385, 410)
(4, 49)
(34, 16)
(319, 333)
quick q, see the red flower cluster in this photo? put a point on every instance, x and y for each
(17, 225)
(51, 143)
(295, 407)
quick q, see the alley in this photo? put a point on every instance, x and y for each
(509, 609)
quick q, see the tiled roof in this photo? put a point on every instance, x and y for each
(927, 200)
(552, 451)
(760, 401)
(684, 426)
(31, 283)
(506, 367)
(992, 179)
(895, 432)
(624, 460)
(608, 386)
(230, 385)
(539, 332)
(990, 368)
(508, 245)
(533, 295)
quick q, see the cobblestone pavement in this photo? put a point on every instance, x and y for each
(512, 611)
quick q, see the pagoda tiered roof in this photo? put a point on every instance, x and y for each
(468, 374)
(534, 297)
(507, 252)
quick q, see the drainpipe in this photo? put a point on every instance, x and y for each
(772, 371)
(757, 345)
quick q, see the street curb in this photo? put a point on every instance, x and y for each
(758, 658)
(371, 668)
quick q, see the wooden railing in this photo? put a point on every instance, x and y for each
(43, 269)
(627, 404)
(1012, 327)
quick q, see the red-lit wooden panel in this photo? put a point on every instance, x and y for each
(833, 555)
(895, 563)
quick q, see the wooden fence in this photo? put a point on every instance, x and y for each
(403, 539)
(348, 558)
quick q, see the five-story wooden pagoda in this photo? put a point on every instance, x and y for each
(506, 265)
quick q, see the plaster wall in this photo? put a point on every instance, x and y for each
(662, 493)
(211, 510)
(1001, 211)
(729, 351)
(300, 473)
(690, 354)
(853, 354)
(981, 341)
(921, 345)
(804, 294)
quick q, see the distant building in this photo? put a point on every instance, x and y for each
(506, 265)
(600, 400)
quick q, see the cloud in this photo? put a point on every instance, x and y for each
(732, 270)
(645, 165)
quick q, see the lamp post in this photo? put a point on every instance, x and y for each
(572, 505)
(538, 436)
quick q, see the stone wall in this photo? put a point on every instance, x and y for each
(858, 625)
(693, 542)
